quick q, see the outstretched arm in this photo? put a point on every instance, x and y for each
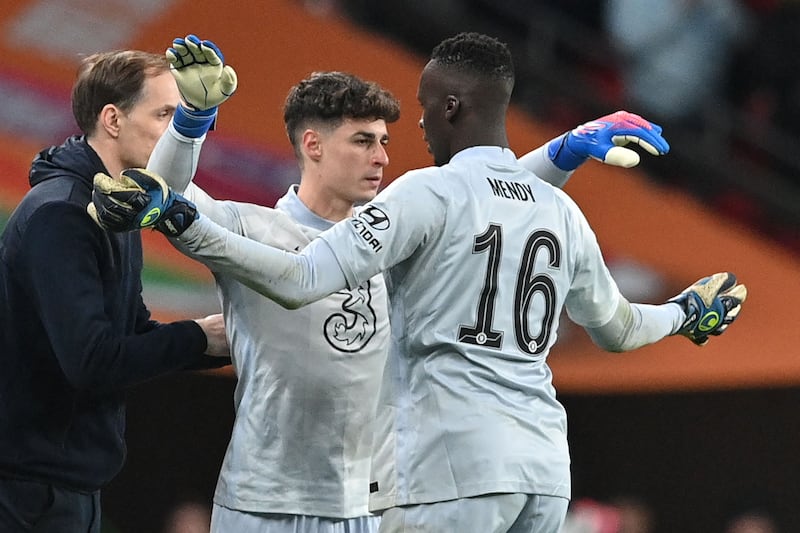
(705, 308)
(140, 199)
(603, 139)
(636, 325)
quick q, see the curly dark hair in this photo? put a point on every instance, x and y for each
(476, 53)
(331, 97)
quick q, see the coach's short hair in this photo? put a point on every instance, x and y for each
(476, 53)
(112, 78)
(328, 98)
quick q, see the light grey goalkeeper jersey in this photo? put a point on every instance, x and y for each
(307, 379)
(482, 256)
(307, 382)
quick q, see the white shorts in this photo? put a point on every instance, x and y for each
(491, 513)
(224, 520)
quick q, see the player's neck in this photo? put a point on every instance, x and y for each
(324, 204)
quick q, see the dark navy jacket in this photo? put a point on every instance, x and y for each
(74, 331)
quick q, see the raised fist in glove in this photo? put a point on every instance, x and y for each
(605, 139)
(711, 305)
(198, 66)
(139, 199)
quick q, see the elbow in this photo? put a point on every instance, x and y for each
(292, 303)
(91, 370)
(607, 342)
(609, 346)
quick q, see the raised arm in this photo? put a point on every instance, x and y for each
(205, 82)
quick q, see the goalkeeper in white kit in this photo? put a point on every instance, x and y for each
(479, 257)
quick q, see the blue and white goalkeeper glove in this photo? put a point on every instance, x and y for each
(711, 305)
(204, 82)
(139, 199)
(605, 140)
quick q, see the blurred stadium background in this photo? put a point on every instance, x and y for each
(697, 435)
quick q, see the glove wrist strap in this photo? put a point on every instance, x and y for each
(194, 123)
(562, 155)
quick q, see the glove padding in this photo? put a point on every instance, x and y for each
(203, 80)
(115, 202)
(139, 199)
(711, 305)
(605, 138)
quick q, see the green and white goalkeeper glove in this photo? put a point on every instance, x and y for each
(711, 305)
(198, 67)
(204, 82)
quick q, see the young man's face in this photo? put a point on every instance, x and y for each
(142, 126)
(352, 160)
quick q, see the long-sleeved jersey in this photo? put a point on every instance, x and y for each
(308, 379)
(480, 257)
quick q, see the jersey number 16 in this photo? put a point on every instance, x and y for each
(528, 284)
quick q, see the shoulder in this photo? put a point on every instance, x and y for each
(417, 183)
(54, 201)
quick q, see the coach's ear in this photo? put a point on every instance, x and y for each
(452, 107)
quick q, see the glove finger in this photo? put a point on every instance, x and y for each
(104, 183)
(621, 140)
(626, 123)
(708, 288)
(730, 317)
(737, 292)
(700, 341)
(148, 181)
(107, 219)
(212, 53)
(720, 330)
(108, 185)
(193, 45)
(621, 157)
(92, 210)
(182, 53)
(121, 208)
(174, 58)
(126, 200)
(228, 81)
(734, 311)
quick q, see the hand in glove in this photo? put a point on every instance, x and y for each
(605, 140)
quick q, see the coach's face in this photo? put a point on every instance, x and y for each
(141, 126)
(439, 106)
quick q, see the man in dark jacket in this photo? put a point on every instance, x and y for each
(74, 331)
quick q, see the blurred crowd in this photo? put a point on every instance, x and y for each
(634, 515)
(719, 75)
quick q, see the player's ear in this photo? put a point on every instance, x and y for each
(311, 144)
(451, 107)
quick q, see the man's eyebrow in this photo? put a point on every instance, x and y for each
(371, 136)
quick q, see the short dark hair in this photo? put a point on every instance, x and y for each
(330, 98)
(476, 53)
(111, 78)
